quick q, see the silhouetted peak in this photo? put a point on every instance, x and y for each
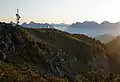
(32, 22)
(90, 22)
(105, 22)
(78, 23)
(24, 23)
(11, 22)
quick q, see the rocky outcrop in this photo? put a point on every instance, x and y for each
(3, 56)
(57, 67)
(6, 44)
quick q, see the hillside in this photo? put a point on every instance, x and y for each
(72, 46)
(51, 52)
(113, 47)
(105, 38)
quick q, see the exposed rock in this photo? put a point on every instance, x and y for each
(3, 56)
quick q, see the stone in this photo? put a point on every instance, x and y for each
(2, 55)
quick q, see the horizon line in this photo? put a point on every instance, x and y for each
(61, 22)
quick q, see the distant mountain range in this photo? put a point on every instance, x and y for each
(44, 25)
(61, 25)
(94, 29)
(90, 28)
(37, 25)
(92, 24)
(85, 24)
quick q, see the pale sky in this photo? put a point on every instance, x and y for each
(59, 11)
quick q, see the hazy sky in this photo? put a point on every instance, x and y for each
(58, 11)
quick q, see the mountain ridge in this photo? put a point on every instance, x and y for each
(95, 24)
